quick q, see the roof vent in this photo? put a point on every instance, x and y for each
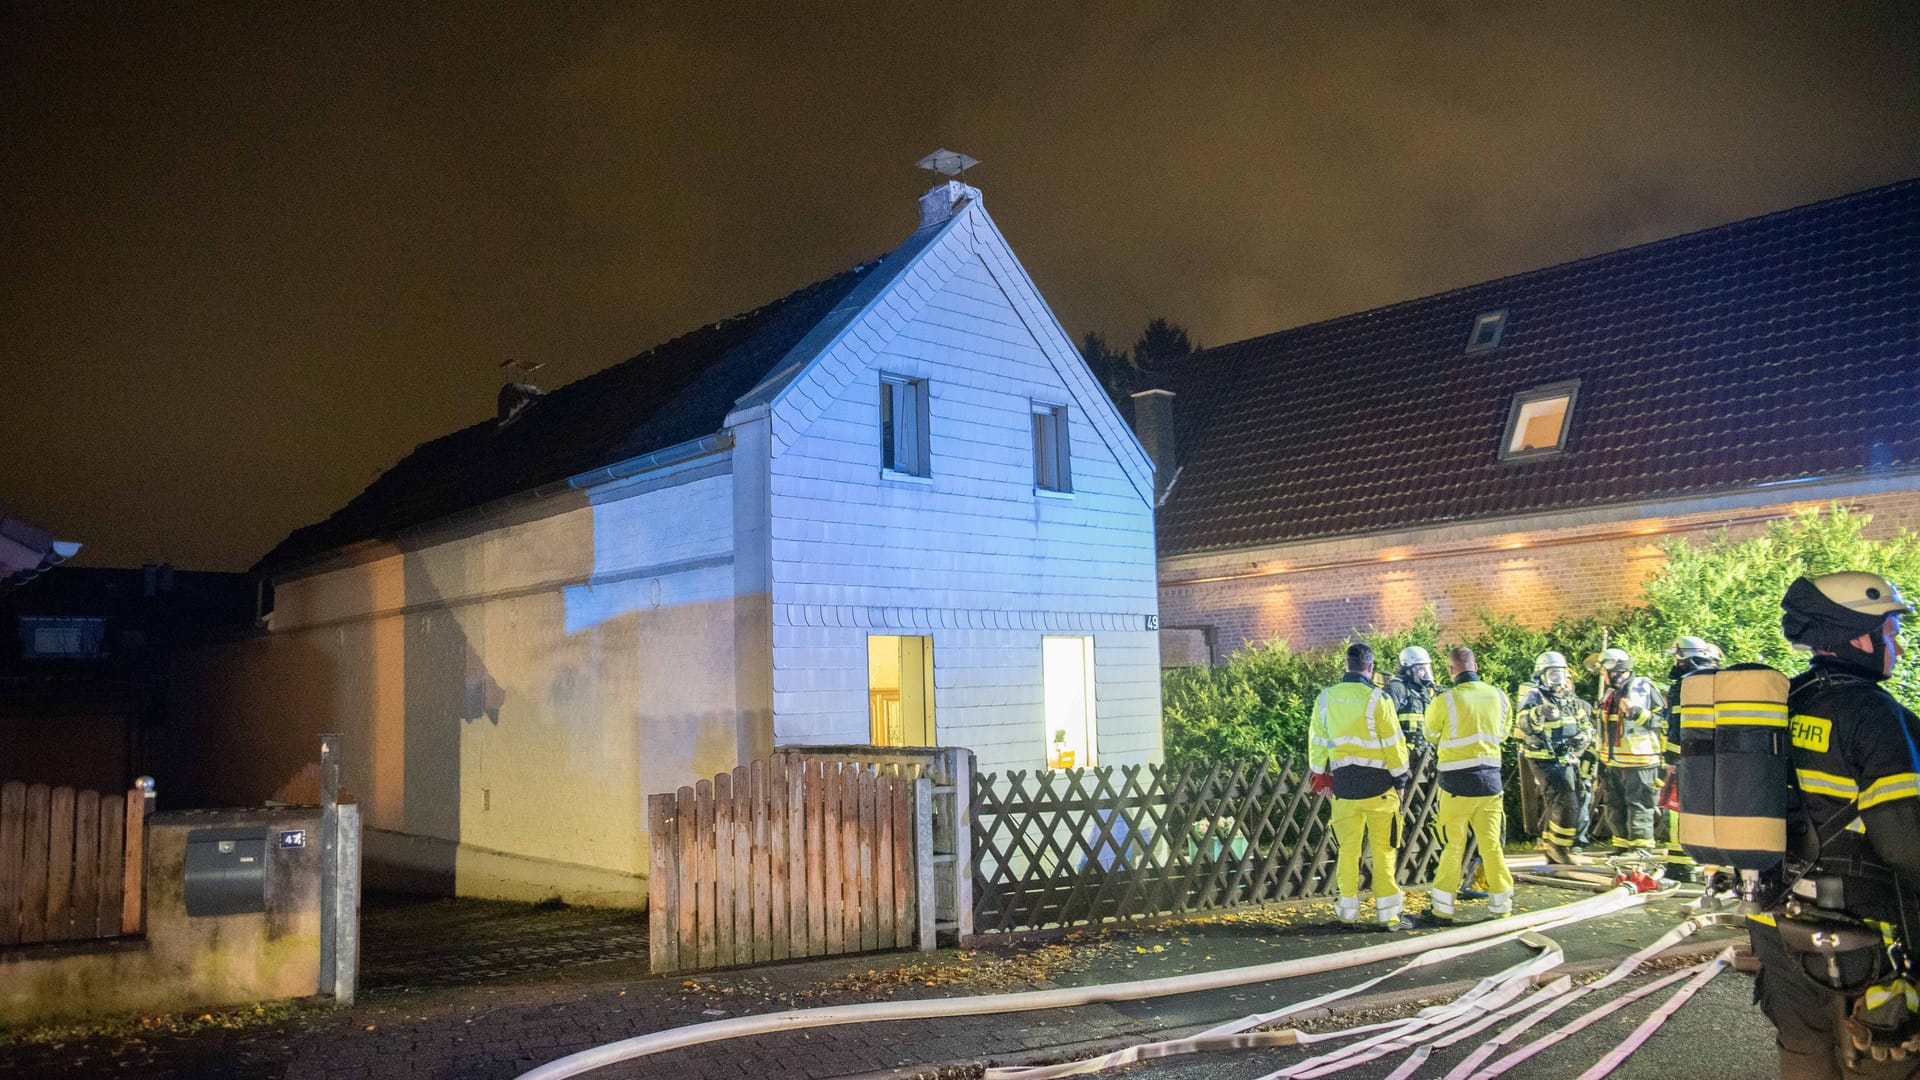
(518, 393)
(514, 399)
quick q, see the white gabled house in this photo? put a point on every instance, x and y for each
(892, 507)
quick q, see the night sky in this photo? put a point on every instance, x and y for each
(250, 255)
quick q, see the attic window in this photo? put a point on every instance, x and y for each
(1538, 421)
(1486, 331)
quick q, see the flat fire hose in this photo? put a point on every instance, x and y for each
(1626, 967)
(1703, 974)
(1239, 1034)
(871, 1012)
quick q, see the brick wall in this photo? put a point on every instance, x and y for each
(1326, 591)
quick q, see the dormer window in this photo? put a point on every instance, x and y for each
(1538, 420)
(1486, 331)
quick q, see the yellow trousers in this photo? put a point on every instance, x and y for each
(1486, 816)
(1378, 820)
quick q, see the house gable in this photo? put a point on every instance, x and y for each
(842, 348)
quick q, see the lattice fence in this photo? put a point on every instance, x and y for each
(1055, 848)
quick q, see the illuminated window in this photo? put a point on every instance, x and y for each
(1486, 331)
(1538, 421)
(1051, 453)
(903, 425)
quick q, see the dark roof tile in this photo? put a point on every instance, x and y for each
(1780, 347)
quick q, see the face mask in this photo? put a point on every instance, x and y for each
(1553, 678)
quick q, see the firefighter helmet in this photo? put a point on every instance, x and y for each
(1548, 660)
(1690, 646)
(1414, 654)
(1616, 660)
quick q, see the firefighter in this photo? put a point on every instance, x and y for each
(1554, 728)
(1359, 757)
(1632, 726)
(1691, 656)
(1834, 989)
(1467, 724)
(1411, 688)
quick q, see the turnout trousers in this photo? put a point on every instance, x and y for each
(1533, 797)
(1630, 798)
(1376, 820)
(1559, 802)
(1810, 1020)
(1485, 818)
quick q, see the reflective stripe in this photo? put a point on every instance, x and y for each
(1820, 783)
(1890, 788)
(1470, 763)
(1470, 740)
(1453, 720)
(1353, 740)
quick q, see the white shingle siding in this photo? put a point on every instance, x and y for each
(972, 558)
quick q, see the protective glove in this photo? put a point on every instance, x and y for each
(1670, 791)
(1321, 783)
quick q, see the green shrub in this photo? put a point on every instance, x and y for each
(1256, 705)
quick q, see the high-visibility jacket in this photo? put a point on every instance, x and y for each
(1355, 737)
(1467, 724)
(1632, 724)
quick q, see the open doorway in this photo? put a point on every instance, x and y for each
(1067, 671)
(900, 690)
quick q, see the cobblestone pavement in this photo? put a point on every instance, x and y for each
(502, 1024)
(417, 943)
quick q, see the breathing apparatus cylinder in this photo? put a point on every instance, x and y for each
(1736, 774)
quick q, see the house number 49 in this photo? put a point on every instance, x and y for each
(1153, 622)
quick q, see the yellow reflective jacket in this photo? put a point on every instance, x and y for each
(1467, 724)
(1355, 736)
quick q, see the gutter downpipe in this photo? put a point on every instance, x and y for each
(872, 1012)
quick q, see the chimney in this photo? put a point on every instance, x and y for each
(939, 204)
(1153, 423)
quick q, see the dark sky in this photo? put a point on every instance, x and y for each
(251, 254)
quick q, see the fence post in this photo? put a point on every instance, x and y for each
(927, 898)
(346, 905)
(962, 844)
(133, 896)
(329, 862)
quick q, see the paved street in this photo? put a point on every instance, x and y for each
(521, 1014)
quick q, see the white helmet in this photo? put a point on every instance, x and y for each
(1548, 660)
(1616, 660)
(1414, 654)
(1689, 646)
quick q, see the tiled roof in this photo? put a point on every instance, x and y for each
(1778, 348)
(670, 394)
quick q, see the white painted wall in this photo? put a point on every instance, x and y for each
(510, 697)
(976, 558)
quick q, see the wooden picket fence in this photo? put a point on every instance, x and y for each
(787, 858)
(72, 864)
(1057, 848)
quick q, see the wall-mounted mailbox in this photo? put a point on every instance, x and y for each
(226, 871)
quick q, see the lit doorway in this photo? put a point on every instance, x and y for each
(1067, 670)
(900, 690)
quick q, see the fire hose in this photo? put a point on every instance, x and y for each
(873, 1012)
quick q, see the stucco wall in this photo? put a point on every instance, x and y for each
(508, 698)
(185, 962)
(973, 556)
(1315, 594)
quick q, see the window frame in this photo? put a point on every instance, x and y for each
(1498, 319)
(904, 395)
(1565, 388)
(1061, 465)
